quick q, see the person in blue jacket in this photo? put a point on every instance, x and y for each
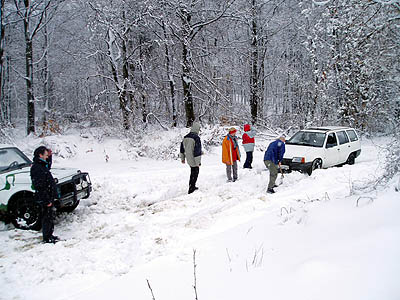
(272, 160)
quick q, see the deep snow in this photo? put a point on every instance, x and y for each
(308, 241)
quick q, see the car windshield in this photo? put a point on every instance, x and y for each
(307, 138)
(11, 159)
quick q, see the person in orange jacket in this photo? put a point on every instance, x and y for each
(231, 154)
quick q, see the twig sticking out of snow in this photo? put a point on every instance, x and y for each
(194, 274)
(371, 199)
(151, 290)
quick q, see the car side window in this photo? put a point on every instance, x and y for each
(342, 136)
(331, 141)
(352, 135)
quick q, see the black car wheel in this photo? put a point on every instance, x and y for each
(351, 160)
(25, 214)
(317, 164)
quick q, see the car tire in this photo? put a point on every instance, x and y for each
(25, 213)
(317, 164)
(351, 160)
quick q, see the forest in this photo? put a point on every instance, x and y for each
(274, 63)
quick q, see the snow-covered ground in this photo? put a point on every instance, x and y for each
(310, 240)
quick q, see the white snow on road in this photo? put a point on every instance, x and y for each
(307, 241)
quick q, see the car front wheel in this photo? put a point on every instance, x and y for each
(317, 164)
(25, 214)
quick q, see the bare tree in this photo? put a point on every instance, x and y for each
(192, 21)
(32, 14)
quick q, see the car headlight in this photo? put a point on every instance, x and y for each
(299, 160)
(84, 184)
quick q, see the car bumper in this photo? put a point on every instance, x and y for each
(71, 191)
(287, 166)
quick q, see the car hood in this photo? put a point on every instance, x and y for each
(63, 173)
(23, 176)
(310, 153)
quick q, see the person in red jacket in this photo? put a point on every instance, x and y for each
(248, 142)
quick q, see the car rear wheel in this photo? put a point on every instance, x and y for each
(317, 164)
(351, 160)
(25, 213)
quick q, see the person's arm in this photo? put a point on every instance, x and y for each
(50, 158)
(38, 180)
(251, 133)
(281, 152)
(182, 153)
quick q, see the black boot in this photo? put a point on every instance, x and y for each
(270, 191)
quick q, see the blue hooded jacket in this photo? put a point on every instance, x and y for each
(275, 151)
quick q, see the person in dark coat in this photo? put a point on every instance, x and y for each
(45, 190)
(272, 160)
(191, 151)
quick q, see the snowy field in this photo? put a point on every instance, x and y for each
(310, 240)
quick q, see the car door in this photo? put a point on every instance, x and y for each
(354, 141)
(331, 151)
(344, 146)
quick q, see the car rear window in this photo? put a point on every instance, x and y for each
(352, 135)
(342, 136)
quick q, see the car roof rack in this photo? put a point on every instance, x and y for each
(327, 128)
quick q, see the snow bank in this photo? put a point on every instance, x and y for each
(314, 239)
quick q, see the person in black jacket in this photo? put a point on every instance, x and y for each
(191, 151)
(45, 190)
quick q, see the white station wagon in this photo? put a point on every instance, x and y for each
(16, 190)
(321, 147)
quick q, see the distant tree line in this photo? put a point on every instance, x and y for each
(126, 63)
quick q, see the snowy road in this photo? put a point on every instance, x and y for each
(139, 211)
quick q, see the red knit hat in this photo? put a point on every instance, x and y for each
(232, 130)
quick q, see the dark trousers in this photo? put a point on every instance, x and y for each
(194, 173)
(249, 160)
(273, 173)
(47, 222)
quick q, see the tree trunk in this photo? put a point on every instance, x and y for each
(2, 31)
(187, 87)
(46, 79)
(29, 80)
(254, 67)
(170, 78)
(186, 68)
(143, 89)
(122, 99)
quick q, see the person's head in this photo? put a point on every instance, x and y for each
(247, 127)
(195, 127)
(41, 152)
(232, 131)
(283, 138)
